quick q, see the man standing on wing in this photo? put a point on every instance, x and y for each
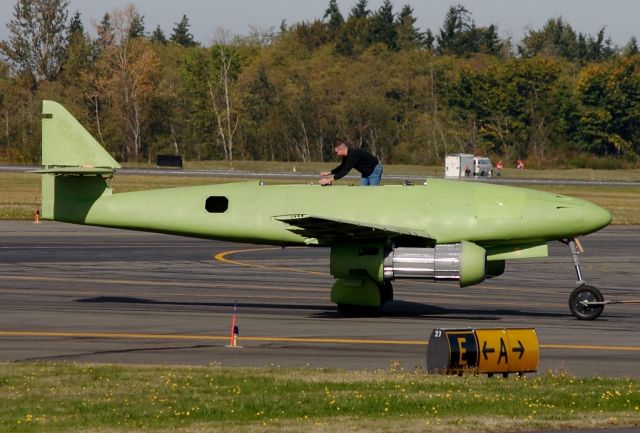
(367, 164)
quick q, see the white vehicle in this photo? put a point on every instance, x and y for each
(465, 165)
(482, 166)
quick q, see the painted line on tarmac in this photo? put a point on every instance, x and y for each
(37, 245)
(102, 281)
(137, 336)
(222, 257)
(125, 336)
(590, 347)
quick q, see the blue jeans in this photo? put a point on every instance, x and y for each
(374, 178)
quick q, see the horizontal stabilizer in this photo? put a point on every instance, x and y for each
(329, 229)
(75, 170)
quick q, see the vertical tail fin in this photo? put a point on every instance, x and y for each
(76, 166)
(65, 142)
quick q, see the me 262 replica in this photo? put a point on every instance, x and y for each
(442, 230)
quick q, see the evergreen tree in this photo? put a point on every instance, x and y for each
(37, 38)
(360, 9)
(136, 27)
(408, 35)
(354, 36)
(78, 52)
(345, 40)
(490, 41)
(429, 40)
(459, 35)
(382, 28)
(76, 28)
(600, 48)
(335, 17)
(283, 27)
(631, 48)
(158, 36)
(75, 35)
(106, 33)
(557, 38)
(454, 37)
(181, 34)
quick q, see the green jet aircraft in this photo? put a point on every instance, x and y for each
(442, 230)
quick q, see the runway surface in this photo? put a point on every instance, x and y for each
(87, 294)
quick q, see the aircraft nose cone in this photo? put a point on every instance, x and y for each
(595, 217)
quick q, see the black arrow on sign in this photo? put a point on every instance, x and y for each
(519, 349)
(486, 350)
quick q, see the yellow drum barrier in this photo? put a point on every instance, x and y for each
(483, 351)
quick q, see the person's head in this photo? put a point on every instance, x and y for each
(340, 148)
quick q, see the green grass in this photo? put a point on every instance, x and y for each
(72, 397)
(400, 169)
(20, 193)
(574, 174)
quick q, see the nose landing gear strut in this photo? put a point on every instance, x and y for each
(585, 302)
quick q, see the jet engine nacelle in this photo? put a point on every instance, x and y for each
(464, 262)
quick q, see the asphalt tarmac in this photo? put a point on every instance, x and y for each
(87, 294)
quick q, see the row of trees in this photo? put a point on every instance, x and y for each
(371, 77)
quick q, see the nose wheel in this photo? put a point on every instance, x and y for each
(586, 302)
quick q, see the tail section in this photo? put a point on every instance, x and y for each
(75, 166)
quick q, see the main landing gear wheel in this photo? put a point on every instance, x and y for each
(586, 294)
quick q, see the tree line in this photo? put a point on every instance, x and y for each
(371, 77)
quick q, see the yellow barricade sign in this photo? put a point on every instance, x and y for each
(484, 351)
(524, 344)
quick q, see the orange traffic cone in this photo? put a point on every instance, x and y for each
(233, 339)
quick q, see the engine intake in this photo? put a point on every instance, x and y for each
(465, 262)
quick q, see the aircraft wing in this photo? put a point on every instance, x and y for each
(327, 230)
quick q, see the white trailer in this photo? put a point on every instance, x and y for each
(465, 164)
(458, 165)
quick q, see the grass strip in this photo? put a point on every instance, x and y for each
(111, 398)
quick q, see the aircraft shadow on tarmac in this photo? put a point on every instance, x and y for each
(82, 355)
(390, 309)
